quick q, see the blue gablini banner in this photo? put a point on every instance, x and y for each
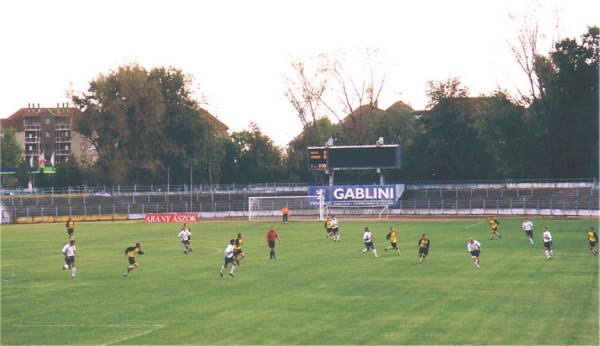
(358, 195)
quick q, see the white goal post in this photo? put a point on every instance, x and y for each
(269, 208)
(379, 211)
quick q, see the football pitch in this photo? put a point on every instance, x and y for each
(317, 292)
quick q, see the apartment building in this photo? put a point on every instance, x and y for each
(49, 135)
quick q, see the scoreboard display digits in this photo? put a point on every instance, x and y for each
(317, 158)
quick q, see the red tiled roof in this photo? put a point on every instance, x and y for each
(16, 119)
(221, 128)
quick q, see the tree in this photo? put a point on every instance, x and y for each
(258, 159)
(145, 125)
(305, 92)
(332, 90)
(191, 142)
(505, 136)
(123, 116)
(69, 173)
(11, 154)
(446, 146)
(569, 113)
(314, 135)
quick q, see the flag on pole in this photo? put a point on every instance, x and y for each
(31, 161)
(52, 159)
(42, 160)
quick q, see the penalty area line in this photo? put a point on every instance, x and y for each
(475, 224)
(156, 327)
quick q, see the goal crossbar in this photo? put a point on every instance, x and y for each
(268, 207)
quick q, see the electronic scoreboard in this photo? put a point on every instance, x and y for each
(354, 157)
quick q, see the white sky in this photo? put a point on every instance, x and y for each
(240, 51)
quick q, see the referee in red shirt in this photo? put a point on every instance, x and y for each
(271, 236)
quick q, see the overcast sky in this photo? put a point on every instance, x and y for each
(239, 51)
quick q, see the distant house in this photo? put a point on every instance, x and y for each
(49, 135)
(222, 129)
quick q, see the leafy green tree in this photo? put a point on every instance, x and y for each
(11, 154)
(446, 147)
(191, 142)
(258, 160)
(22, 175)
(123, 116)
(69, 173)
(315, 134)
(505, 137)
(569, 112)
(146, 126)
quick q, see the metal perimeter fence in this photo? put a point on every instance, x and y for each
(558, 198)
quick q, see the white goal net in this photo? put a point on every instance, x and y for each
(269, 208)
(358, 211)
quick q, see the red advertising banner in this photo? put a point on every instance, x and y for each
(176, 217)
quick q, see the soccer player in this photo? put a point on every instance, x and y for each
(285, 212)
(328, 228)
(335, 229)
(527, 227)
(423, 245)
(70, 225)
(271, 236)
(70, 251)
(130, 252)
(229, 258)
(392, 236)
(593, 238)
(494, 224)
(368, 240)
(186, 236)
(237, 248)
(547, 237)
(474, 248)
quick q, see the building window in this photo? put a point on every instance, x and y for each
(47, 121)
(47, 134)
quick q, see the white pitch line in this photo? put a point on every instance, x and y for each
(157, 327)
(475, 224)
(81, 325)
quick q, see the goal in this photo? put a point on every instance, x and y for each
(375, 211)
(269, 208)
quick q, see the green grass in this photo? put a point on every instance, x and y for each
(317, 292)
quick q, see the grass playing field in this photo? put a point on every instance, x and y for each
(316, 292)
